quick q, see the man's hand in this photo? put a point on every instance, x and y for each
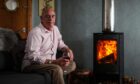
(62, 61)
(67, 51)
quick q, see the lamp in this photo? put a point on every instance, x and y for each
(11, 5)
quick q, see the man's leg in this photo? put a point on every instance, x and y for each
(55, 71)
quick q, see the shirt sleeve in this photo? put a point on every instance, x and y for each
(61, 43)
(33, 45)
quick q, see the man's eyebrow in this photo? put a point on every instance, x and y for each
(50, 15)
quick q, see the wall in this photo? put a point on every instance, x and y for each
(35, 14)
(82, 18)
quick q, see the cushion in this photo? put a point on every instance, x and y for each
(8, 39)
(6, 61)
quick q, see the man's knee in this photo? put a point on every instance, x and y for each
(72, 66)
(58, 69)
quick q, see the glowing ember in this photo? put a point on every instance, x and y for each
(107, 51)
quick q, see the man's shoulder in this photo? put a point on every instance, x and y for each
(36, 30)
(56, 28)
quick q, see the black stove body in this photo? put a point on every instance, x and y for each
(108, 58)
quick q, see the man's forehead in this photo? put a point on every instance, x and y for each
(48, 10)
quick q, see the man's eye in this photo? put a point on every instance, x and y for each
(47, 16)
(50, 16)
(53, 15)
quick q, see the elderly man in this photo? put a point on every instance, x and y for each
(42, 44)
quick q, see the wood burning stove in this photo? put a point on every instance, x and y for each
(108, 57)
(108, 50)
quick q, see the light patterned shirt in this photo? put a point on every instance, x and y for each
(41, 45)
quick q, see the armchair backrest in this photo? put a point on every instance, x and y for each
(11, 50)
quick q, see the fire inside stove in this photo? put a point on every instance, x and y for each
(107, 51)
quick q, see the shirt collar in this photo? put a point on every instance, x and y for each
(43, 29)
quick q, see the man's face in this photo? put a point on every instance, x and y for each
(48, 18)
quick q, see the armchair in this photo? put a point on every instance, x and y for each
(11, 53)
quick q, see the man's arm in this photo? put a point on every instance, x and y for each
(33, 45)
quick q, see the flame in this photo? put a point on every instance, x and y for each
(106, 48)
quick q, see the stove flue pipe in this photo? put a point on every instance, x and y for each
(108, 16)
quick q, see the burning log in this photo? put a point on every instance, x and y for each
(108, 59)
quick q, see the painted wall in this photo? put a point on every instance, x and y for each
(82, 18)
(36, 18)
